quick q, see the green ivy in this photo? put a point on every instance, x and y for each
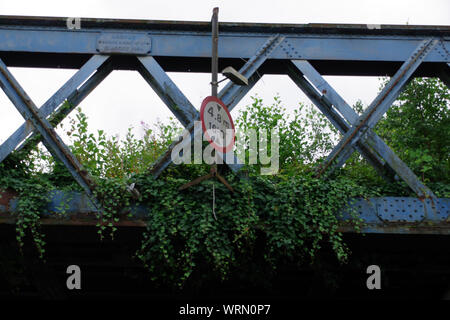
(294, 215)
(32, 190)
(113, 198)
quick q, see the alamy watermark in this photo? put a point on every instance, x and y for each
(229, 146)
(374, 280)
(74, 280)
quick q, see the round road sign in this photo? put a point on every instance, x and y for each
(217, 124)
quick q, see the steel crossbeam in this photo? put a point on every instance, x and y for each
(186, 45)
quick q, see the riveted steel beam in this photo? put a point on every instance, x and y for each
(67, 90)
(232, 92)
(380, 105)
(402, 170)
(332, 105)
(51, 140)
(46, 42)
(404, 215)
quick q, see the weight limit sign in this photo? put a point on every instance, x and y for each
(217, 124)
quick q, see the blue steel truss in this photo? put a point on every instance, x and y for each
(303, 52)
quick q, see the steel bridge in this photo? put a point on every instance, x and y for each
(305, 53)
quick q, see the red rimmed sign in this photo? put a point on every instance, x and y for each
(217, 124)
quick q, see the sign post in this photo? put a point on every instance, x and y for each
(215, 117)
(215, 54)
(217, 123)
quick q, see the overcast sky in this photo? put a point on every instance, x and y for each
(124, 99)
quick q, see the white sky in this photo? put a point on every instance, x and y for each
(124, 99)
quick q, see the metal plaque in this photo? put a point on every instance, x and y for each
(124, 43)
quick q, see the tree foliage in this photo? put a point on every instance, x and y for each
(417, 127)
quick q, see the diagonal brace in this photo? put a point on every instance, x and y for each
(167, 90)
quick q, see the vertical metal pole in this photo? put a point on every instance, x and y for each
(214, 56)
(214, 84)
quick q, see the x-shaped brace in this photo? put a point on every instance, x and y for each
(70, 92)
(185, 112)
(36, 119)
(325, 101)
(360, 134)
